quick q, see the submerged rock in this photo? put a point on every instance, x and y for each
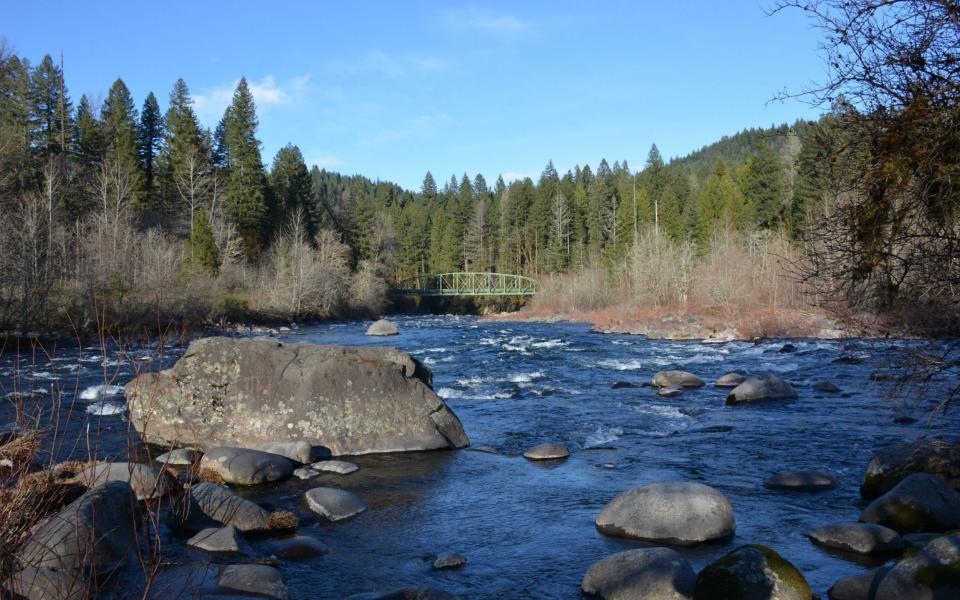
(207, 503)
(801, 481)
(548, 451)
(299, 547)
(260, 580)
(669, 392)
(618, 385)
(340, 467)
(244, 393)
(672, 512)
(240, 466)
(760, 388)
(680, 379)
(335, 504)
(94, 531)
(933, 573)
(861, 538)
(857, 587)
(826, 386)
(752, 572)
(406, 593)
(382, 327)
(659, 573)
(730, 380)
(449, 561)
(919, 503)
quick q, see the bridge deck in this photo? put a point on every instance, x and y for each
(467, 284)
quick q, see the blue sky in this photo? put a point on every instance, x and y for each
(393, 89)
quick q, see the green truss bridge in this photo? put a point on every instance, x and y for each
(467, 284)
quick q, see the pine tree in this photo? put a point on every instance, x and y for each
(429, 188)
(202, 252)
(119, 117)
(719, 204)
(246, 201)
(809, 185)
(149, 139)
(290, 185)
(50, 121)
(187, 179)
(764, 187)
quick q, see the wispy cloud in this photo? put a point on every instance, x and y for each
(267, 92)
(474, 19)
(418, 127)
(323, 160)
(390, 65)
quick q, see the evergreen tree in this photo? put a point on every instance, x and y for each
(119, 117)
(290, 185)
(810, 182)
(50, 121)
(429, 188)
(202, 252)
(246, 201)
(149, 138)
(719, 204)
(764, 187)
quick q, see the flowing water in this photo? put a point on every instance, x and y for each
(525, 528)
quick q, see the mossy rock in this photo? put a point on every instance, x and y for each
(933, 573)
(752, 572)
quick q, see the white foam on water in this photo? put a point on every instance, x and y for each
(603, 435)
(470, 381)
(105, 409)
(26, 394)
(45, 375)
(555, 343)
(622, 365)
(622, 342)
(784, 368)
(525, 377)
(447, 393)
(669, 412)
(96, 392)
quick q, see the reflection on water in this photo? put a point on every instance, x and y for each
(527, 529)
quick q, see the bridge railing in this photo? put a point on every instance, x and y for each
(467, 284)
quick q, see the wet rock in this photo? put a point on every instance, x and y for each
(730, 380)
(210, 502)
(752, 572)
(618, 385)
(298, 450)
(861, 538)
(484, 449)
(921, 502)
(48, 583)
(691, 411)
(889, 465)
(340, 467)
(857, 587)
(216, 539)
(299, 547)
(847, 360)
(94, 531)
(382, 327)
(672, 512)
(904, 420)
(244, 393)
(932, 573)
(179, 456)
(919, 539)
(761, 388)
(669, 392)
(449, 561)
(787, 348)
(241, 466)
(801, 481)
(335, 504)
(639, 574)
(260, 580)
(302, 473)
(547, 451)
(679, 379)
(826, 386)
(407, 593)
(146, 481)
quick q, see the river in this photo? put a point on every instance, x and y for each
(527, 529)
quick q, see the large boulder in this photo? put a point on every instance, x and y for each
(760, 388)
(920, 502)
(147, 481)
(933, 573)
(889, 465)
(857, 587)
(48, 583)
(349, 400)
(241, 466)
(730, 380)
(672, 512)
(752, 572)
(382, 327)
(680, 379)
(94, 531)
(861, 538)
(639, 574)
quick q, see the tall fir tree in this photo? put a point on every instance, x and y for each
(290, 186)
(246, 199)
(50, 120)
(119, 117)
(764, 187)
(149, 141)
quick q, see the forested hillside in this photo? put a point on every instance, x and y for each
(130, 211)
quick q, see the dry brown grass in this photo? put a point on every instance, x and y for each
(283, 520)
(210, 476)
